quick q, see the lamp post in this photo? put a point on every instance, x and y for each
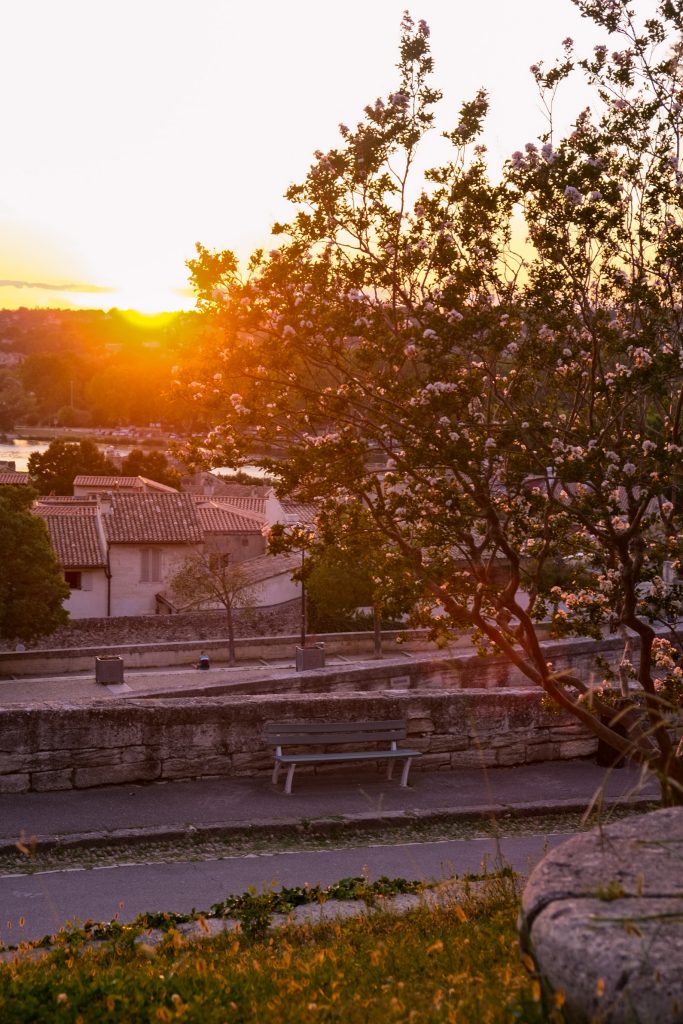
(303, 599)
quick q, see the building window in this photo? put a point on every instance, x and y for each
(150, 565)
(78, 580)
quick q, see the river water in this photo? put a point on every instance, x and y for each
(18, 450)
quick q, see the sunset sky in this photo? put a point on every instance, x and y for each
(134, 128)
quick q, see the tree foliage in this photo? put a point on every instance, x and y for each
(153, 465)
(54, 470)
(347, 567)
(32, 584)
(526, 407)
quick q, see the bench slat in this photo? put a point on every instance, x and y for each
(357, 755)
(339, 734)
(302, 733)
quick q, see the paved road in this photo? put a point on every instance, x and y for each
(38, 904)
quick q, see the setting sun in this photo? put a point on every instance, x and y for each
(203, 133)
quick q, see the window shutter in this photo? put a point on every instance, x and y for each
(155, 566)
(144, 565)
(86, 581)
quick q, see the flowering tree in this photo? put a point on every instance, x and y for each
(525, 409)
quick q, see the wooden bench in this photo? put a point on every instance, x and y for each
(325, 734)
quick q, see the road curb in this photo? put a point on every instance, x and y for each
(362, 822)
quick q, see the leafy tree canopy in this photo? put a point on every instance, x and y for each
(53, 471)
(32, 585)
(493, 411)
(153, 465)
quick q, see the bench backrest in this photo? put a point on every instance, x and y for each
(279, 734)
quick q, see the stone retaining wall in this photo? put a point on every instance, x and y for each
(145, 629)
(57, 746)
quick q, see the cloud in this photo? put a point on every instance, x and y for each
(44, 286)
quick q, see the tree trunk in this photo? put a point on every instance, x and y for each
(231, 637)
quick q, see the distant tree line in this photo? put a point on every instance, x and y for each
(89, 368)
(54, 470)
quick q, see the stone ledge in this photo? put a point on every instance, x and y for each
(602, 915)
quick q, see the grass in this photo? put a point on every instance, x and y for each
(455, 961)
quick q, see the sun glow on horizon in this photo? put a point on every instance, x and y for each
(169, 159)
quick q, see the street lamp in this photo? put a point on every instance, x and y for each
(303, 599)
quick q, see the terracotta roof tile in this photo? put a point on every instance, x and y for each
(113, 482)
(246, 504)
(10, 478)
(73, 534)
(304, 513)
(215, 518)
(265, 567)
(152, 518)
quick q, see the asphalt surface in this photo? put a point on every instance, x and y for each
(41, 903)
(325, 801)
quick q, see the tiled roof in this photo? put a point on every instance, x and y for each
(9, 478)
(265, 567)
(152, 518)
(257, 505)
(154, 485)
(73, 534)
(296, 511)
(58, 505)
(215, 518)
(113, 482)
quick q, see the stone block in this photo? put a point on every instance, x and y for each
(194, 767)
(432, 761)
(256, 761)
(419, 726)
(15, 783)
(423, 743)
(449, 743)
(602, 915)
(114, 774)
(42, 782)
(513, 753)
(541, 752)
(473, 758)
(578, 748)
(91, 758)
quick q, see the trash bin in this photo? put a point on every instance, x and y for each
(109, 669)
(310, 657)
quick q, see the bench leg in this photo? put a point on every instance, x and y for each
(390, 769)
(276, 772)
(406, 769)
(290, 776)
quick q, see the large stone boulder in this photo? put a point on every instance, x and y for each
(602, 916)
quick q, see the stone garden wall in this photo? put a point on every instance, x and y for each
(148, 629)
(58, 746)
